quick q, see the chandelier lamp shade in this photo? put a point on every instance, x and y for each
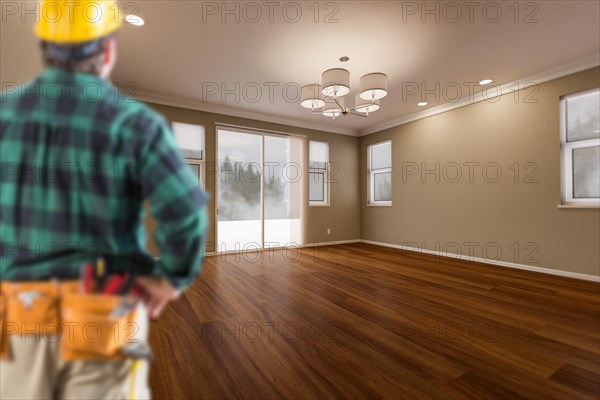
(373, 86)
(312, 96)
(336, 82)
(328, 97)
(365, 106)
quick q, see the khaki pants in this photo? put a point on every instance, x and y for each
(37, 371)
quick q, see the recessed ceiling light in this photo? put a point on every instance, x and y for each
(422, 103)
(135, 20)
(485, 81)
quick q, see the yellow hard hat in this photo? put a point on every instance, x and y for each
(77, 21)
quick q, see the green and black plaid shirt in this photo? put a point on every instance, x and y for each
(77, 161)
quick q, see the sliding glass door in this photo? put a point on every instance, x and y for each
(259, 190)
(283, 198)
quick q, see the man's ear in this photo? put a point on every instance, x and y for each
(109, 54)
(109, 58)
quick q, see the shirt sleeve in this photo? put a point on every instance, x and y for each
(177, 203)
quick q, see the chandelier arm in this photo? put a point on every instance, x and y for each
(353, 112)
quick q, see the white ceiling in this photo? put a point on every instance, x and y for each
(183, 50)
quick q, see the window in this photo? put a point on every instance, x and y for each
(190, 140)
(380, 173)
(580, 142)
(197, 168)
(318, 173)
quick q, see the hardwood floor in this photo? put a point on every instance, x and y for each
(359, 321)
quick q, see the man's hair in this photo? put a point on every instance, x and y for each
(85, 57)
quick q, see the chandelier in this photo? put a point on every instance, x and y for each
(329, 97)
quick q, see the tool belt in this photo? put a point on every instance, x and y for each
(86, 324)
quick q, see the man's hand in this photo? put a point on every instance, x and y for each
(158, 293)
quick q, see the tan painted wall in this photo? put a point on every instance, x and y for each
(343, 214)
(465, 217)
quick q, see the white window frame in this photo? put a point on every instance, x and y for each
(326, 202)
(567, 156)
(200, 164)
(371, 176)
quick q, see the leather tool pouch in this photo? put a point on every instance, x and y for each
(27, 308)
(32, 308)
(90, 332)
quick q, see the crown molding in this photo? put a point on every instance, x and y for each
(190, 104)
(581, 64)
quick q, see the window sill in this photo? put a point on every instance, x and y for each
(589, 206)
(379, 205)
(319, 205)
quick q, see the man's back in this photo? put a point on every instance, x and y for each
(78, 159)
(77, 162)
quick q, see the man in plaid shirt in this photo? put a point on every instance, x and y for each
(78, 159)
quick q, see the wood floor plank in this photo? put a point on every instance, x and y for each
(578, 378)
(360, 321)
(475, 386)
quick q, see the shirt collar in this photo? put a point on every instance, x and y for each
(53, 74)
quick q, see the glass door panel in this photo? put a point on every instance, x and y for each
(282, 191)
(239, 191)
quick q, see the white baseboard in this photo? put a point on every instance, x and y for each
(575, 275)
(333, 243)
